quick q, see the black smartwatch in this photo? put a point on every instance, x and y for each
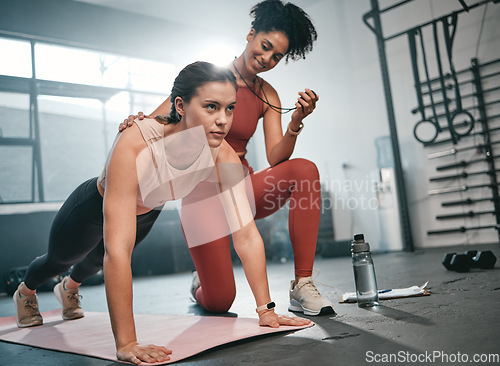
(268, 306)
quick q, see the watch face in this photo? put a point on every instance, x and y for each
(271, 305)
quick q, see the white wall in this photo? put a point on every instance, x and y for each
(344, 70)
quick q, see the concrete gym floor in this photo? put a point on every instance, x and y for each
(461, 317)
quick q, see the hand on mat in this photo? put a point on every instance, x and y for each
(135, 353)
(273, 320)
(130, 120)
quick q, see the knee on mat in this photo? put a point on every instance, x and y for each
(220, 304)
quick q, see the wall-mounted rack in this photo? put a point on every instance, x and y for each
(460, 122)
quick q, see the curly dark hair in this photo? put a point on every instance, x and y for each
(273, 15)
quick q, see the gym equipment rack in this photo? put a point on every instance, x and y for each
(372, 20)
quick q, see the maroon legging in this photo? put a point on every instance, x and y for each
(295, 180)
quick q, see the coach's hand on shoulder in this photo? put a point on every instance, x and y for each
(130, 120)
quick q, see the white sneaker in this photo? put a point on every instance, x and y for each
(305, 298)
(195, 285)
(70, 301)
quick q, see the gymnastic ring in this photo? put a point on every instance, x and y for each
(470, 126)
(426, 141)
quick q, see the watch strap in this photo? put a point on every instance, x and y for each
(295, 133)
(268, 306)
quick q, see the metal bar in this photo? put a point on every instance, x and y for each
(427, 106)
(416, 75)
(464, 82)
(487, 76)
(471, 95)
(445, 141)
(398, 169)
(32, 128)
(15, 84)
(463, 175)
(444, 128)
(467, 201)
(365, 20)
(463, 214)
(464, 5)
(449, 119)
(464, 163)
(446, 76)
(441, 102)
(16, 141)
(461, 188)
(489, 63)
(461, 229)
(447, 190)
(37, 150)
(438, 19)
(14, 202)
(487, 136)
(395, 6)
(440, 154)
(454, 151)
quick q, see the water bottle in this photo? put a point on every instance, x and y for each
(364, 272)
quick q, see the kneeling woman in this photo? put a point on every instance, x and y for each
(150, 163)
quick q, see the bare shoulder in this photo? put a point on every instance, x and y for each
(227, 154)
(268, 88)
(130, 140)
(121, 176)
(271, 95)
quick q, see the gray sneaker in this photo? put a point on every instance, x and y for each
(305, 298)
(70, 301)
(28, 314)
(195, 285)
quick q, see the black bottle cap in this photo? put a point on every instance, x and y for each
(359, 237)
(359, 245)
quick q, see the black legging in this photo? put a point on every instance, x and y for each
(76, 238)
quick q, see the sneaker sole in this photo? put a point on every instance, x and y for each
(58, 297)
(297, 307)
(195, 285)
(35, 324)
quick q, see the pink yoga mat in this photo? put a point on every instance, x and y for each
(91, 336)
